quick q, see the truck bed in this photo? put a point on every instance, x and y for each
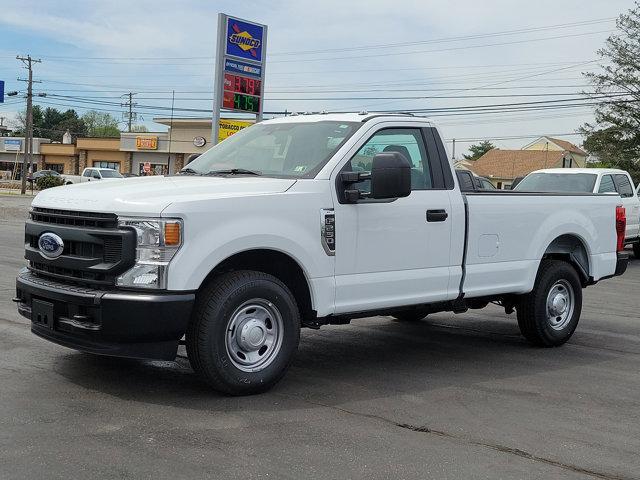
(508, 232)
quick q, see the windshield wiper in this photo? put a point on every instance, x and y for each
(189, 171)
(234, 171)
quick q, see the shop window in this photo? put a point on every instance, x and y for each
(154, 169)
(102, 164)
(56, 167)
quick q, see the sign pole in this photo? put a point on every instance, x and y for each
(264, 67)
(219, 77)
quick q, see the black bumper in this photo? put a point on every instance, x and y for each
(115, 323)
(621, 264)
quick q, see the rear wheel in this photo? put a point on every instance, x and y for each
(244, 332)
(410, 315)
(549, 315)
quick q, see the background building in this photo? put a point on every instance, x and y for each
(556, 145)
(12, 155)
(501, 167)
(150, 149)
(148, 153)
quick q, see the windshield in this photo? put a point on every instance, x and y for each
(290, 150)
(557, 182)
(110, 174)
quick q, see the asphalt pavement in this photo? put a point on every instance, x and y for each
(453, 396)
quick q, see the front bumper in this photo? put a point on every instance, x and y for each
(115, 323)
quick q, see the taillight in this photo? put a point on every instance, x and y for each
(621, 226)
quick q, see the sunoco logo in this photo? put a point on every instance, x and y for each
(244, 40)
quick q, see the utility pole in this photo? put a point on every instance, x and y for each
(129, 115)
(28, 147)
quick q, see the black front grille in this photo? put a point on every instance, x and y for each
(73, 218)
(95, 250)
(72, 274)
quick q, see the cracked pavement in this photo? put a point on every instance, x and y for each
(454, 396)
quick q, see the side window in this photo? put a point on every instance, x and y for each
(625, 189)
(408, 142)
(606, 184)
(88, 172)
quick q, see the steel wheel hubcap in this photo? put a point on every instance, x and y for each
(254, 335)
(560, 304)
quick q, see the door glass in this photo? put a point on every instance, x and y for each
(606, 184)
(624, 186)
(408, 142)
(87, 173)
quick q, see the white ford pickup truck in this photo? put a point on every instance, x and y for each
(298, 222)
(91, 174)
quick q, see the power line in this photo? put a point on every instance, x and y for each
(370, 46)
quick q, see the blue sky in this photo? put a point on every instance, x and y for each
(94, 51)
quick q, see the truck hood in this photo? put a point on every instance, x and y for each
(151, 195)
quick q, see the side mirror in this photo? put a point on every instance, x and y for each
(390, 176)
(96, 176)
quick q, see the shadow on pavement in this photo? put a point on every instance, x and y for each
(372, 358)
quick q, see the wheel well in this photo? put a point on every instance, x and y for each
(275, 263)
(571, 249)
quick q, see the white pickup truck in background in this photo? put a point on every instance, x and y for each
(91, 174)
(592, 180)
(297, 222)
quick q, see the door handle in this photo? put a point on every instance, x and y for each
(437, 215)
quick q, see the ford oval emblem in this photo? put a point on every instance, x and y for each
(50, 245)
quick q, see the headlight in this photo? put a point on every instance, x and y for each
(158, 240)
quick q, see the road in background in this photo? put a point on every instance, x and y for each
(454, 396)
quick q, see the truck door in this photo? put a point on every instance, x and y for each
(394, 252)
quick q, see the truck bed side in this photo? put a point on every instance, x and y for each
(509, 233)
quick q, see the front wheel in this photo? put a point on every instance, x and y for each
(549, 315)
(244, 332)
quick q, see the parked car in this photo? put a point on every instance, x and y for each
(93, 174)
(44, 173)
(592, 180)
(470, 182)
(515, 182)
(303, 221)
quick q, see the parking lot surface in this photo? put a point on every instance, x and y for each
(453, 396)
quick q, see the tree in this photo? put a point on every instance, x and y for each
(615, 136)
(52, 123)
(101, 124)
(139, 129)
(479, 149)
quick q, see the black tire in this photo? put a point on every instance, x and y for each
(537, 323)
(636, 250)
(410, 315)
(217, 306)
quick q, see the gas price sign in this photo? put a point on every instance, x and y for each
(241, 58)
(241, 93)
